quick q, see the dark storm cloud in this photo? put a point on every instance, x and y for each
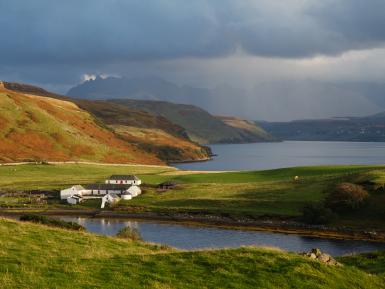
(101, 31)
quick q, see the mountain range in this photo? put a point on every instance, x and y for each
(271, 101)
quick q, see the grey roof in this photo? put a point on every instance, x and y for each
(79, 187)
(113, 187)
(124, 177)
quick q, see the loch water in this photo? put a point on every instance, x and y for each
(263, 156)
(190, 237)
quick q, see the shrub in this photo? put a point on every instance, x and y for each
(346, 196)
(129, 233)
(317, 214)
(51, 222)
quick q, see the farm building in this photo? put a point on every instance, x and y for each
(75, 199)
(114, 189)
(74, 190)
(124, 179)
(98, 191)
(167, 185)
(104, 189)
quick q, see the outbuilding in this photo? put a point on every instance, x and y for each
(75, 199)
(167, 185)
(74, 190)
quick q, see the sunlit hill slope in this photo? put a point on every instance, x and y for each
(75, 129)
(42, 128)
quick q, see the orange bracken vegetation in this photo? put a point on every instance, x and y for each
(43, 128)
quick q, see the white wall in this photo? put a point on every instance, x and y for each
(64, 194)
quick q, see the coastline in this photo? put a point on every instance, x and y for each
(267, 225)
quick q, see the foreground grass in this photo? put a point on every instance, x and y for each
(35, 256)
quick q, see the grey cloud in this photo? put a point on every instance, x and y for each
(85, 32)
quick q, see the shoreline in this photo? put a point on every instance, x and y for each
(273, 226)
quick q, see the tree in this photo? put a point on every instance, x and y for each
(346, 197)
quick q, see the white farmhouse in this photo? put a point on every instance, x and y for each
(78, 193)
(124, 180)
(74, 190)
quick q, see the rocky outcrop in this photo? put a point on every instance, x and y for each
(316, 254)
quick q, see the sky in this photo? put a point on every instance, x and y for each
(291, 58)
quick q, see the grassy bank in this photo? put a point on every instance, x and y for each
(35, 256)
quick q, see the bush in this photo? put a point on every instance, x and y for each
(129, 233)
(346, 196)
(317, 214)
(51, 222)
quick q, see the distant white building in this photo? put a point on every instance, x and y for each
(72, 191)
(78, 193)
(124, 180)
(75, 199)
(115, 188)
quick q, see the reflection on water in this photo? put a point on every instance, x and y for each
(262, 156)
(194, 237)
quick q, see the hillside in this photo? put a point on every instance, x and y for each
(166, 95)
(200, 125)
(41, 128)
(370, 128)
(248, 129)
(151, 134)
(37, 256)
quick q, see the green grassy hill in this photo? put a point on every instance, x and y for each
(200, 125)
(36, 256)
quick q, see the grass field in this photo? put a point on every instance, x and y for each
(26, 177)
(272, 193)
(35, 256)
